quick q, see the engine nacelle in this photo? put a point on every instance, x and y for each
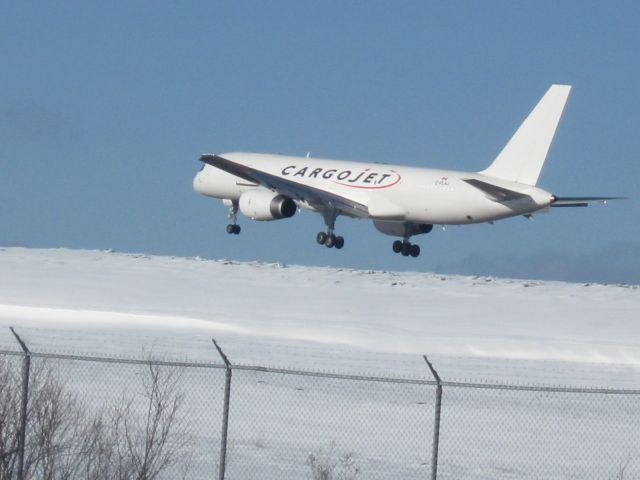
(261, 204)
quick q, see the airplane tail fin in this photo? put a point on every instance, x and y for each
(521, 160)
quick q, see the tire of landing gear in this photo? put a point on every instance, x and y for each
(231, 229)
(397, 246)
(321, 238)
(339, 243)
(415, 250)
(330, 241)
(236, 229)
(406, 249)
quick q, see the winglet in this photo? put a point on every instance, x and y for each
(521, 160)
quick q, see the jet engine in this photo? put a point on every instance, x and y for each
(261, 204)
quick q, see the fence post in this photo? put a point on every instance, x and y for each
(225, 412)
(436, 422)
(22, 434)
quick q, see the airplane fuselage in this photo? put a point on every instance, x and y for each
(391, 192)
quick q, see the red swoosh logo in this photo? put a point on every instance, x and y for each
(374, 187)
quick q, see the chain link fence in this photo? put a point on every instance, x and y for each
(71, 416)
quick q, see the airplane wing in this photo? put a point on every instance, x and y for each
(580, 201)
(317, 198)
(496, 193)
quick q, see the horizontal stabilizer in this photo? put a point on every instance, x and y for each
(580, 201)
(499, 194)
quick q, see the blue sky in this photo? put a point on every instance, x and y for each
(105, 109)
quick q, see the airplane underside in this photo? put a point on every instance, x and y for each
(329, 238)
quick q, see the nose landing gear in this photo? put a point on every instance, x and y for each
(233, 228)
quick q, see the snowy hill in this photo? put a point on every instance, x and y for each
(320, 318)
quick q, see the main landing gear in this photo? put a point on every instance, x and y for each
(233, 228)
(329, 239)
(405, 231)
(406, 248)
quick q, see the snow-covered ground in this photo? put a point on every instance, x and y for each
(322, 318)
(380, 323)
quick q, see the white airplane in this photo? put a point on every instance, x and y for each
(402, 201)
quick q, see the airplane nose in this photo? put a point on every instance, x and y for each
(197, 181)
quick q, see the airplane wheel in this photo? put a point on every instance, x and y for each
(321, 238)
(397, 246)
(236, 229)
(231, 229)
(415, 250)
(406, 249)
(339, 242)
(330, 241)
